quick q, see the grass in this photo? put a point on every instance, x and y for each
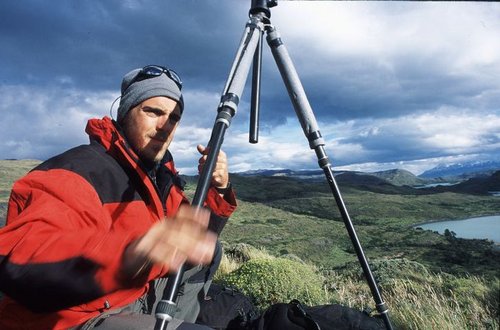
(428, 281)
(325, 241)
(11, 170)
(417, 298)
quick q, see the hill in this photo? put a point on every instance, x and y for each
(290, 216)
(376, 183)
(298, 218)
(450, 173)
(395, 181)
(396, 177)
(301, 217)
(400, 177)
(482, 185)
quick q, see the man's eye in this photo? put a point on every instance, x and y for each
(174, 118)
(153, 113)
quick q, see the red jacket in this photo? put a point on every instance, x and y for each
(68, 223)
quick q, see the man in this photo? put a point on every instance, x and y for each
(93, 233)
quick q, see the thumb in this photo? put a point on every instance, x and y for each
(201, 149)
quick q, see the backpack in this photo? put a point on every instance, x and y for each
(295, 316)
(226, 308)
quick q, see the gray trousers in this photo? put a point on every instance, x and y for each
(140, 314)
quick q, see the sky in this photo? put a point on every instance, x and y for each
(406, 85)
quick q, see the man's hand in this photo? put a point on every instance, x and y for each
(220, 175)
(172, 242)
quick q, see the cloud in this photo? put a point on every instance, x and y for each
(390, 83)
(447, 132)
(380, 59)
(41, 122)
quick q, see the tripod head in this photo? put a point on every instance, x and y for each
(262, 6)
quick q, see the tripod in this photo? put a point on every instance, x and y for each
(250, 52)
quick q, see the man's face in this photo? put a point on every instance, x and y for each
(149, 127)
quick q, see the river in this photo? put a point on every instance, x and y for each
(479, 228)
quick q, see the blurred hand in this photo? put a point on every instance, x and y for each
(172, 242)
(220, 175)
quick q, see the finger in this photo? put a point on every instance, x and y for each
(222, 157)
(201, 149)
(147, 242)
(176, 260)
(198, 215)
(200, 252)
(195, 242)
(172, 249)
(189, 243)
(220, 176)
(202, 160)
(204, 250)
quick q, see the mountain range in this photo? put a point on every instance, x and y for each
(475, 179)
(442, 173)
(462, 170)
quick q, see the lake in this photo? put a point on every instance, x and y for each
(480, 228)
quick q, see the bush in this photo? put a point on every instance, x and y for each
(387, 270)
(418, 298)
(270, 281)
(472, 292)
(242, 252)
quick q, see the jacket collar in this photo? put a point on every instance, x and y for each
(108, 133)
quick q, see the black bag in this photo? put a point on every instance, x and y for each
(227, 308)
(290, 316)
(295, 316)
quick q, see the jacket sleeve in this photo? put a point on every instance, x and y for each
(59, 247)
(221, 207)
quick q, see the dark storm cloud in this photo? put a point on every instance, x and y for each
(379, 75)
(94, 42)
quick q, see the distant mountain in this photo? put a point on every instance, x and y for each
(395, 177)
(397, 181)
(373, 183)
(399, 177)
(481, 185)
(386, 182)
(280, 172)
(297, 174)
(462, 171)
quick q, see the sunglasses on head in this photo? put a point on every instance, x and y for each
(151, 71)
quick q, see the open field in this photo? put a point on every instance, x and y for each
(432, 281)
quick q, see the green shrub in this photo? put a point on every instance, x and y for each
(242, 252)
(387, 270)
(472, 291)
(270, 281)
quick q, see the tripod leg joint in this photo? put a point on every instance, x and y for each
(382, 308)
(315, 139)
(228, 104)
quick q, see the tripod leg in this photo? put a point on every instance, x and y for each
(229, 101)
(316, 142)
(166, 307)
(253, 136)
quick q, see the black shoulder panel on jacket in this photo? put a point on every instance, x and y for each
(111, 181)
(48, 287)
